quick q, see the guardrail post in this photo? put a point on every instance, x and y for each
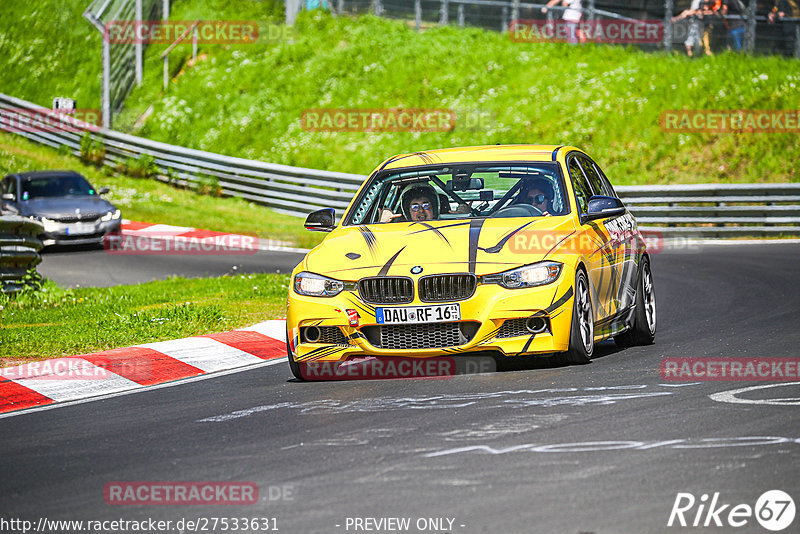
(750, 28)
(166, 71)
(194, 43)
(418, 14)
(460, 15)
(443, 12)
(19, 252)
(668, 10)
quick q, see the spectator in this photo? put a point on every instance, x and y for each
(786, 9)
(572, 16)
(736, 26)
(711, 8)
(695, 14)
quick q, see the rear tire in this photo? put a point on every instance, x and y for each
(643, 328)
(581, 336)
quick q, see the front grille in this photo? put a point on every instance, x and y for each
(87, 218)
(446, 287)
(332, 334)
(513, 328)
(386, 290)
(420, 336)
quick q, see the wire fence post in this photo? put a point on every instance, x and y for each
(138, 42)
(592, 11)
(340, 7)
(418, 14)
(378, 7)
(668, 10)
(194, 44)
(750, 28)
(514, 11)
(165, 9)
(444, 12)
(460, 15)
(797, 41)
(504, 20)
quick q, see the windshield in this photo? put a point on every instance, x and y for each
(462, 192)
(56, 186)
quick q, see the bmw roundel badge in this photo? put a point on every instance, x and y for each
(416, 269)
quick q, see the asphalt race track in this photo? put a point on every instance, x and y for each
(602, 448)
(94, 267)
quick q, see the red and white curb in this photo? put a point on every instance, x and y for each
(65, 380)
(164, 232)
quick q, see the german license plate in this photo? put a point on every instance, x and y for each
(418, 314)
(80, 229)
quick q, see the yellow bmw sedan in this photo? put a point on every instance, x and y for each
(511, 251)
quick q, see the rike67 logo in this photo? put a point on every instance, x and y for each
(774, 510)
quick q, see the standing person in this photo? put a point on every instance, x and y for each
(736, 26)
(711, 8)
(695, 14)
(781, 10)
(572, 16)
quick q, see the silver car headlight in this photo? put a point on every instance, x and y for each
(111, 215)
(315, 285)
(537, 274)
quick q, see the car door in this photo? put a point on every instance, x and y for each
(594, 241)
(620, 254)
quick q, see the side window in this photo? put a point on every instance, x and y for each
(11, 187)
(606, 183)
(583, 191)
(592, 175)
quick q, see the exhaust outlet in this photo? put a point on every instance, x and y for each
(312, 334)
(536, 325)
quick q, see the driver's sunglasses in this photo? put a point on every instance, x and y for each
(424, 206)
(538, 199)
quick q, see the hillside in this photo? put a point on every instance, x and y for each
(247, 100)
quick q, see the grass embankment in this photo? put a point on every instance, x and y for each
(57, 322)
(247, 99)
(152, 201)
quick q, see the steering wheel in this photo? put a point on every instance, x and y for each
(517, 210)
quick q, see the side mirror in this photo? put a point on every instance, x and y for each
(321, 220)
(102, 191)
(601, 207)
(10, 197)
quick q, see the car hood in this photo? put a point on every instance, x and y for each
(480, 246)
(58, 207)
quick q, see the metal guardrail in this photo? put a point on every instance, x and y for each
(19, 251)
(291, 190)
(715, 210)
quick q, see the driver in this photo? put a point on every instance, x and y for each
(538, 192)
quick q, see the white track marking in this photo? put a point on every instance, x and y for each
(731, 396)
(143, 389)
(208, 355)
(274, 329)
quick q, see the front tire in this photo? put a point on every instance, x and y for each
(293, 365)
(581, 336)
(643, 329)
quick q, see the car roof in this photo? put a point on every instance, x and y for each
(473, 154)
(46, 174)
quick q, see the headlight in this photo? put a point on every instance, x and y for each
(534, 275)
(314, 285)
(111, 215)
